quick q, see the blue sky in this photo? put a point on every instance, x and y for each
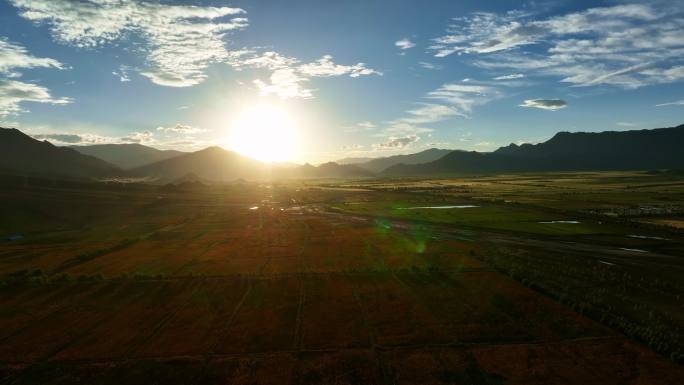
(360, 78)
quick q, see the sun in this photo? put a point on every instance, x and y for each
(265, 132)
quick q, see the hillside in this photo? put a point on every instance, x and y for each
(21, 154)
(611, 150)
(327, 170)
(379, 164)
(127, 155)
(212, 163)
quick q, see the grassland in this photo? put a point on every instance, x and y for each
(339, 282)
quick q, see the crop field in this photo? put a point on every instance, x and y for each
(533, 279)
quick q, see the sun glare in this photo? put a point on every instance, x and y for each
(265, 132)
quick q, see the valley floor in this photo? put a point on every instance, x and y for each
(321, 282)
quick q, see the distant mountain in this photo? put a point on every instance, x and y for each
(659, 148)
(326, 170)
(127, 155)
(379, 164)
(21, 154)
(213, 163)
(354, 160)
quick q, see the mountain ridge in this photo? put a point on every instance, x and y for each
(660, 148)
(127, 155)
(21, 154)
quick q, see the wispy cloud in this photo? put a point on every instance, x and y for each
(463, 97)
(449, 101)
(361, 126)
(396, 143)
(13, 92)
(181, 129)
(289, 77)
(509, 77)
(181, 40)
(625, 45)
(14, 56)
(404, 44)
(430, 66)
(545, 104)
(122, 73)
(675, 103)
(177, 137)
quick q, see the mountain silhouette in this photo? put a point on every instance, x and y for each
(378, 164)
(127, 155)
(21, 154)
(326, 170)
(659, 148)
(212, 163)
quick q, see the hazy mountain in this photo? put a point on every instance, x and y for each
(354, 160)
(128, 155)
(327, 170)
(611, 150)
(213, 163)
(21, 154)
(378, 164)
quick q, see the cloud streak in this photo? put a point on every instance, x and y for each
(626, 45)
(404, 44)
(545, 104)
(675, 103)
(14, 92)
(397, 143)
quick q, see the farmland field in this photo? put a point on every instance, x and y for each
(533, 279)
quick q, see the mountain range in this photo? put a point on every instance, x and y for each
(127, 155)
(659, 148)
(377, 165)
(580, 151)
(21, 154)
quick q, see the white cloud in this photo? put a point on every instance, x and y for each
(446, 102)
(626, 124)
(675, 103)
(361, 126)
(144, 137)
(285, 83)
(545, 104)
(627, 45)
(509, 77)
(404, 44)
(430, 66)
(288, 77)
(401, 127)
(430, 113)
(163, 138)
(269, 60)
(366, 125)
(395, 143)
(463, 97)
(353, 147)
(181, 40)
(122, 73)
(14, 92)
(181, 129)
(76, 139)
(325, 67)
(13, 56)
